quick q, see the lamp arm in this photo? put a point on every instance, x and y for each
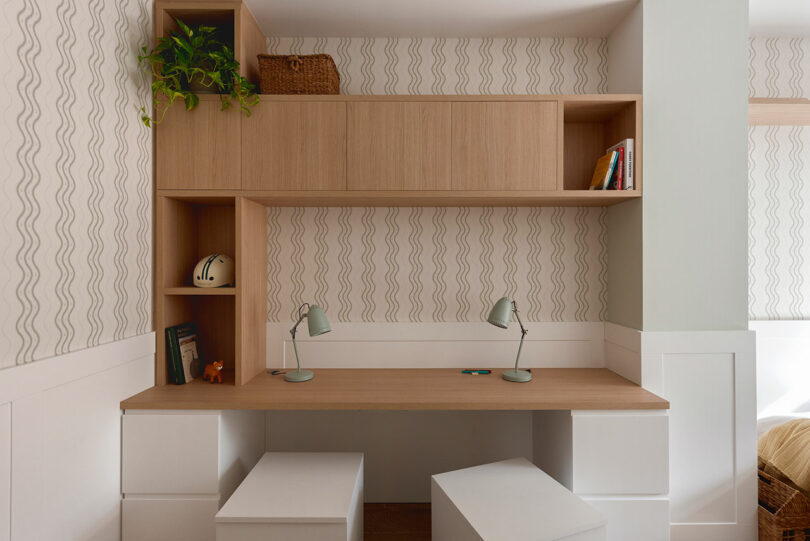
(301, 316)
(523, 333)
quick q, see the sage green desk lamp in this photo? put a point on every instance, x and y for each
(318, 324)
(500, 316)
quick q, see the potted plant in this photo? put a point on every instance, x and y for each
(193, 61)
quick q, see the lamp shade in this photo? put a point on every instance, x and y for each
(501, 313)
(316, 321)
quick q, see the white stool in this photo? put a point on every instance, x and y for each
(513, 500)
(297, 497)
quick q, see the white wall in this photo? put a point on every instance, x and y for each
(60, 441)
(695, 157)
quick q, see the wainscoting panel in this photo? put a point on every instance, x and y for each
(782, 368)
(66, 439)
(709, 379)
(439, 345)
(5, 472)
(623, 351)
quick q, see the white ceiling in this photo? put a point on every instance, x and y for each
(779, 18)
(439, 18)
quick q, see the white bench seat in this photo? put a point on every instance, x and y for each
(297, 497)
(513, 500)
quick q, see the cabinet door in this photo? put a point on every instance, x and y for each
(399, 146)
(505, 146)
(199, 149)
(295, 146)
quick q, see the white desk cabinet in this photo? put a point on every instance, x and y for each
(177, 467)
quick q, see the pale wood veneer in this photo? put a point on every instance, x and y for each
(294, 146)
(505, 145)
(399, 146)
(415, 389)
(199, 149)
(778, 112)
(251, 284)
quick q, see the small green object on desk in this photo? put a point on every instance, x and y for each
(500, 316)
(317, 324)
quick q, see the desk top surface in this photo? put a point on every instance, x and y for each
(409, 389)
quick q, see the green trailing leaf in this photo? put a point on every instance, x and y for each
(193, 55)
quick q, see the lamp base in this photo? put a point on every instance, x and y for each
(518, 376)
(298, 375)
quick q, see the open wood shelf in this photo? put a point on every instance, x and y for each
(199, 291)
(779, 112)
(447, 198)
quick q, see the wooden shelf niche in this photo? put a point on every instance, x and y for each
(229, 319)
(590, 126)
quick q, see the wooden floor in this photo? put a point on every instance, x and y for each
(396, 522)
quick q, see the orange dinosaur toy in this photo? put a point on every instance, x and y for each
(213, 371)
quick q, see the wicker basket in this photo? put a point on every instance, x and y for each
(293, 74)
(784, 512)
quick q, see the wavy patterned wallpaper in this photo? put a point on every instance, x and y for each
(779, 222)
(460, 65)
(779, 186)
(437, 264)
(75, 206)
(444, 264)
(779, 67)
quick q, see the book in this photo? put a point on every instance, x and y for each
(603, 171)
(628, 165)
(182, 345)
(618, 172)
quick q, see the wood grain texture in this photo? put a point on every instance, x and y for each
(584, 143)
(199, 149)
(447, 198)
(250, 42)
(294, 146)
(779, 114)
(251, 283)
(504, 146)
(185, 232)
(415, 389)
(398, 146)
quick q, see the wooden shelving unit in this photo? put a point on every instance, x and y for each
(215, 172)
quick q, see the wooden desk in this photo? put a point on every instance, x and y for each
(186, 448)
(409, 389)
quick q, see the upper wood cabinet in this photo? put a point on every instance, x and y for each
(505, 145)
(199, 149)
(294, 146)
(397, 145)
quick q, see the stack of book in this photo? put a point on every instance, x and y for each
(183, 353)
(616, 169)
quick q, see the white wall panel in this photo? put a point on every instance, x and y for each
(709, 379)
(702, 432)
(440, 345)
(65, 440)
(782, 367)
(5, 472)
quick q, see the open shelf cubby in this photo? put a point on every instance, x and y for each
(230, 320)
(590, 127)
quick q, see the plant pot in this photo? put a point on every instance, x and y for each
(196, 85)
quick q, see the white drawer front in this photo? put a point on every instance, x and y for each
(646, 519)
(620, 453)
(170, 454)
(169, 519)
